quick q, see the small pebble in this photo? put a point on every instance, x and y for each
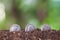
(45, 27)
(29, 27)
(15, 27)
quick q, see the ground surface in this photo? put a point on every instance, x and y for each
(34, 35)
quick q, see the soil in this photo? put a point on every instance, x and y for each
(34, 35)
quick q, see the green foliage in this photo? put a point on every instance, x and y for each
(29, 7)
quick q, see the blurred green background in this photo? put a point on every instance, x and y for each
(23, 12)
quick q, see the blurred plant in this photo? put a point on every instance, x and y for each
(54, 14)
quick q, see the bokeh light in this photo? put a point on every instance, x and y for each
(2, 12)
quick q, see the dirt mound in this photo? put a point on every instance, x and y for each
(34, 35)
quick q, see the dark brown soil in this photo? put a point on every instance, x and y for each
(34, 35)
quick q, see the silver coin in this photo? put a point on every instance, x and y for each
(29, 27)
(45, 27)
(15, 27)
